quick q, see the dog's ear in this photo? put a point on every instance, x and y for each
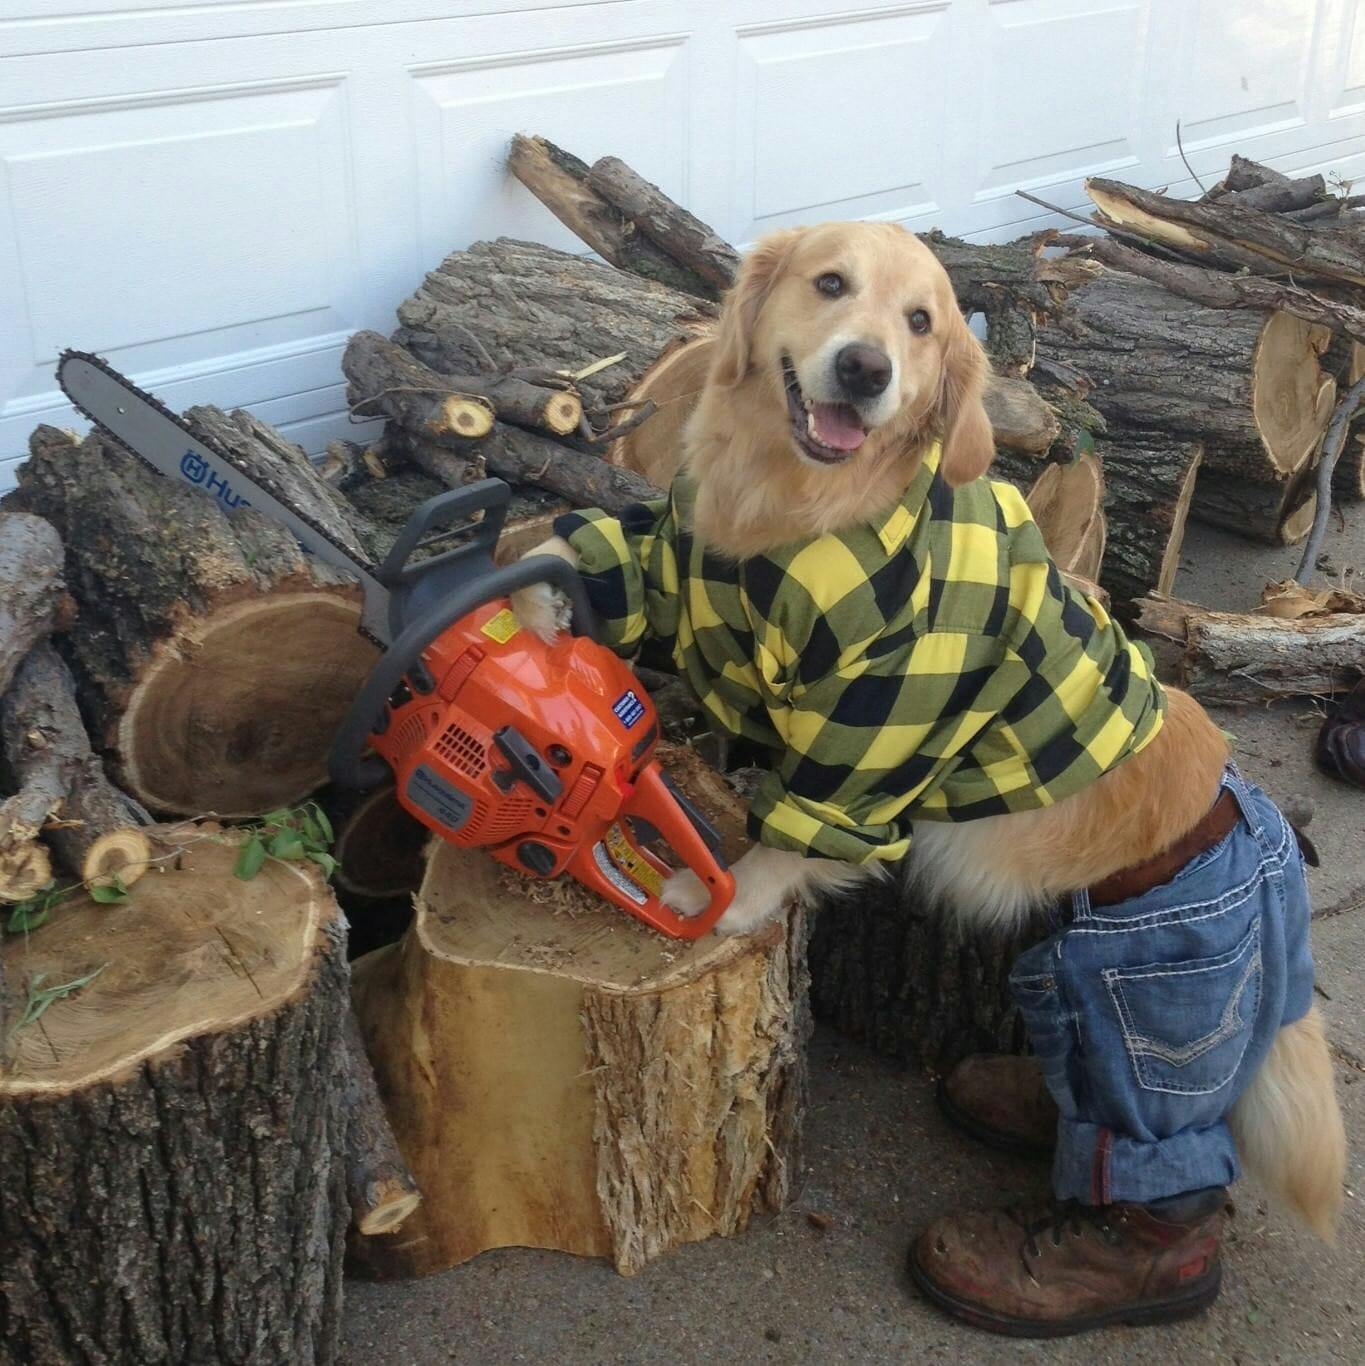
(758, 273)
(968, 440)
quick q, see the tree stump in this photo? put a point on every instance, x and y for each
(559, 1076)
(173, 1133)
(213, 658)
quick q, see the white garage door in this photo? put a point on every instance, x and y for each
(214, 193)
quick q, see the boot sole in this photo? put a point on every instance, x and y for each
(983, 1133)
(1186, 1305)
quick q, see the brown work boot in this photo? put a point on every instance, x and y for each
(1054, 1268)
(1003, 1101)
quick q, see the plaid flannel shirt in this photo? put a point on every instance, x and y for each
(930, 665)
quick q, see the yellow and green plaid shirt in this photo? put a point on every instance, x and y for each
(931, 665)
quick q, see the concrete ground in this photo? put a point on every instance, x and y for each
(881, 1162)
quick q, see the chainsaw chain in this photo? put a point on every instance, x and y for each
(251, 476)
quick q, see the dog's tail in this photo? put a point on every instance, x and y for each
(1288, 1127)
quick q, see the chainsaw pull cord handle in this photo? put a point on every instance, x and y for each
(347, 763)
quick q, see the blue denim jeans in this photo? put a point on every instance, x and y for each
(1150, 1017)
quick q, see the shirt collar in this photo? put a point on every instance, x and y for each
(896, 525)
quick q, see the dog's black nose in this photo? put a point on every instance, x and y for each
(863, 371)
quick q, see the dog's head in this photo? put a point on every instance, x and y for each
(852, 335)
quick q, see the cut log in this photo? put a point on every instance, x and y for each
(213, 659)
(673, 383)
(1348, 480)
(908, 981)
(1247, 385)
(449, 409)
(685, 238)
(559, 1076)
(510, 305)
(379, 848)
(1067, 502)
(97, 831)
(1149, 479)
(1250, 185)
(523, 457)
(174, 1129)
(1275, 514)
(1245, 657)
(561, 182)
(1020, 419)
(32, 594)
(379, 1187)
(1225, 231)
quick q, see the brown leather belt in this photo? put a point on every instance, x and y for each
(1142, 877)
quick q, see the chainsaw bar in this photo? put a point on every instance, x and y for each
(210, 468)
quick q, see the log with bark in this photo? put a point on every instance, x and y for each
(449, 409)
(1229, 233)
(213, 659)
(563, 183)
(1067, 502)
(510, 305)
(64, 797)
(173, 1130)
(33, 602)
(1246, 657)
(1252, 185)
(559, 1076)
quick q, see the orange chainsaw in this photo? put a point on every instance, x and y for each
(543, 754)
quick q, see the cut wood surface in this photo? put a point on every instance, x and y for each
(1248, 386)
(95, 830)
(559, 1076)
(511, 305)
(1244, 657)
(178, 1121)
(666, 223)
(214, 660)
(1233, 233)
(562, 183)
(449, 409)
(1020, 418)
(673, 383)
(1067, 502)
(31, 590)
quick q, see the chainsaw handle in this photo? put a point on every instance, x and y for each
(347, 762)
(687, 833)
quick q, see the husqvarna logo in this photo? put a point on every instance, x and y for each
(196, 469)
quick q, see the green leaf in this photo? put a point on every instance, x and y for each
(251, 860)
(28, 915)
(40, 997)
(280, 816)
(324, 860)
(287, 844)
(107, 893)
(312, 831)
(321, 817)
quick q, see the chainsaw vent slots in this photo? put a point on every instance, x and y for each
(463, 750)
(508, 819)
(581, 791)
(412, 732)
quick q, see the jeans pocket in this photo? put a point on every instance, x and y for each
(1187, 1025)
(1047, 1023)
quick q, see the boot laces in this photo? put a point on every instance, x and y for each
(1059, 1219)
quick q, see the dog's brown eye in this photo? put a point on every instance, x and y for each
(831, 284)
(919, 321)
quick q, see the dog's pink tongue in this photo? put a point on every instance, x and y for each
(837, 425)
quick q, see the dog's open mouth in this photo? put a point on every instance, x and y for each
(827, 432)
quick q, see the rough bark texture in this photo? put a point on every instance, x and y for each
(386, 378)
(47, 751)
(1244, 657)
(684, 237)
(520, 305)
(1348, 479)
(1148, 481)
(31, 589)
(522, 457)
(907, 981)
(561, 182)
(185, 1204)
(213, 658)
(1157, 362)
(1276, 514)
(1228, 231)
(558, 1076)
(379, 1187)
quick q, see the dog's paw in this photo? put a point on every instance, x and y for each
(685, 893)
(542, 609)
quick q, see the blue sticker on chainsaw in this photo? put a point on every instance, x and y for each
(628, 708)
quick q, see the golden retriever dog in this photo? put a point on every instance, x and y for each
(841, 355)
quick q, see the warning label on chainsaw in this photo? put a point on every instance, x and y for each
(626, 869)
(501, 627)
(628, 708)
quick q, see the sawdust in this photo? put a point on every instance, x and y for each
(562, 895)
